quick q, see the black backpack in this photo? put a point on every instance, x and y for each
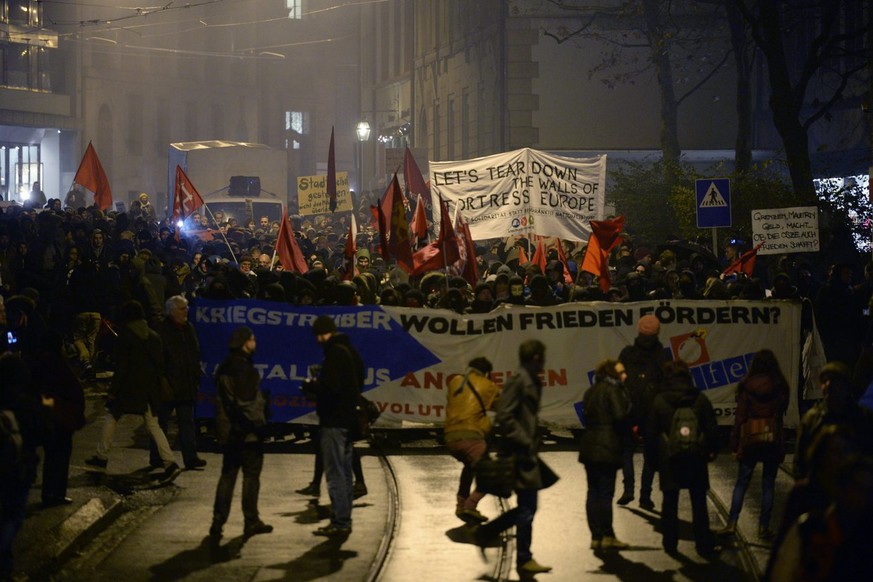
(684, 439)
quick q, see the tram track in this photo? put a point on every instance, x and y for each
(502, 565)
(750, 564)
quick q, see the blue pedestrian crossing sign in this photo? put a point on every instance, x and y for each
(713, 202)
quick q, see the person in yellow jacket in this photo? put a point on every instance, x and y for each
(469, 397)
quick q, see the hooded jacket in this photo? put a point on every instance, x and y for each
(339, 384)
(139, 359)
(760, 396)
(690, 473)
(240, 414)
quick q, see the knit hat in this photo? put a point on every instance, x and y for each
(239, 337)
(649, 325)
(323, 324)
(481, 364)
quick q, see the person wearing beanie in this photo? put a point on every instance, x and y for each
(469, 397)
(136, 387)
(340, 381)
(240, 426)
(643, 361)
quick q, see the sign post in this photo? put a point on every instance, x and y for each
(713, 206)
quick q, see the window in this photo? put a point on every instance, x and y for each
(295, 9)
(296, 126)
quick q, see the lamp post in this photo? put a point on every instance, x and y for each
(363, 131)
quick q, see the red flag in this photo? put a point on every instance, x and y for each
(745, 264)
(412, 175)
(605, 235)
(441, 252)
(469, 270)
(568, 277)
(289, 253)
(398, 243)
(350, 251)
(91, 175)
(419, 220)
(539, 257)
(522, 257)
(331, 175)
(186, 198)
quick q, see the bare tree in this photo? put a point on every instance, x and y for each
(834, 58)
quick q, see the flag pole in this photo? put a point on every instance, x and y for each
(206, 206)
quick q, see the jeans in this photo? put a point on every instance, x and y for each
(768, 486)
(250, 458)
(152, 426)
(318, 470)
(598, 505)
(336, 449)
(187, 431)
(467, 451)
(521, 516)
(699, 520)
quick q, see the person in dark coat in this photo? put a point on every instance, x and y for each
(136, 387)
(644, 362)
(763, 393)
(339, 387)
(688, 472)
(240, 425)
(517, 420)
(606, 407)
(20, 408)
(182, 370)
(63, 394)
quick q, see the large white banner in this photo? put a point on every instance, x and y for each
(524, 192)
(411, 354)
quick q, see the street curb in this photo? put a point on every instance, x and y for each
(70, 535)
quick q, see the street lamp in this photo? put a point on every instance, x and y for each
(363, 131)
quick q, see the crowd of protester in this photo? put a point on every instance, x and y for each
(67, 272)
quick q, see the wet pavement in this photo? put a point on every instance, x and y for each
(161, 534)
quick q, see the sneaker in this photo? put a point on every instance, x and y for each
(96, 461)
(625, 499)
(596, 544)
(613, 543)
(259, 527)
(728, 530)
(311, 489)
(647, 504)
(471, 516)
(533, 567)
(360, 489)
(195, 465)
(332, 531)
(172, 471)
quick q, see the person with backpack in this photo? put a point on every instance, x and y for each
(468, 399)
(683, 422)
(762, 399)
(644, 362)
(606, 407)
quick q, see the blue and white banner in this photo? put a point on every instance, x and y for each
(411, 354)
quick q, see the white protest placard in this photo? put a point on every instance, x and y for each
(524, 192)
(786, 230)
(312, 194)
